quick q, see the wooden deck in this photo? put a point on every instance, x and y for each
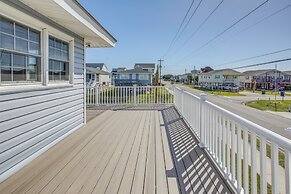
(138, 151)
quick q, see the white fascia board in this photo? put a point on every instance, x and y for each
(75, 14)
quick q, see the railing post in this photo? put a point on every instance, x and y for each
(97, 95)
(203, 98)
(182, 102)
(134, 95)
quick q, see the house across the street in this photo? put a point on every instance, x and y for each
(42, 75)
(221, 77)
(141, 74)
(266, 79)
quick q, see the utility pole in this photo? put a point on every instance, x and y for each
(194, 81)
(160, 60)
(275, 87)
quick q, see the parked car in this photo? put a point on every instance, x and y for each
(229, 87)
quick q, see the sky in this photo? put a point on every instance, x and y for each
(145, 29)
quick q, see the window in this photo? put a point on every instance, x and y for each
(124, 76)
(133, 76)
(19, 53)
(58, 60)
(143, 77)
(217, 76)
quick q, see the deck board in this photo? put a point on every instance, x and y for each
(137, 151)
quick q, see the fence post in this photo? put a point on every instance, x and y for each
(203, 98)
(97, 95)
(182, 102)
(134, 95)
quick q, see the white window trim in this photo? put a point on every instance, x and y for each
(71, 43)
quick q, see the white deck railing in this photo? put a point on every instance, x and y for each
(129, 95)
(242, 149)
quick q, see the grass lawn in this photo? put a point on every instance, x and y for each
(282, 106)
(224, 93)
(220, 93)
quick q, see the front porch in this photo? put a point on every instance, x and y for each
(123, 151)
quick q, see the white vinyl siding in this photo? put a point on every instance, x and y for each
(31, 120)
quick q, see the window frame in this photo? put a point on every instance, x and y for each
(143, 79)
(27, 54)
(70, 60)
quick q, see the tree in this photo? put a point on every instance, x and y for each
(190, 78)
(206, 69)
(156, 78)
(168, 77)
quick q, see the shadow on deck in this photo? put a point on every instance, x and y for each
(195, 171)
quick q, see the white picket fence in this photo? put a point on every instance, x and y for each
(130, 95)
(238, 146)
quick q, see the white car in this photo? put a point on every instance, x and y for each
(229, 87)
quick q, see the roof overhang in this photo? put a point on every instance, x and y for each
(96, 71)
(71, 15)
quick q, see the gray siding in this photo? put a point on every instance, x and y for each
(30, 120)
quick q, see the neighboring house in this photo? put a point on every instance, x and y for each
(93, 77)
(195, 72)
(266, 78)
(149, 67)
(142, 74)
(287, 77)
(42, 82)
(184, 78)
(220, 77)
(97, 74)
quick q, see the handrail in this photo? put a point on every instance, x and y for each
(129, 95)
(232, 140)
(270, 135)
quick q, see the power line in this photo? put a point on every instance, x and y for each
(185, 26)
(264, 63)
(202, 23)
(172, 42)
(253, 25)
(228, 28)
(190, 19)
(254, 57)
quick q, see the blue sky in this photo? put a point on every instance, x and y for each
(145, 28)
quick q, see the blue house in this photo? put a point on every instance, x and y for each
(141, 74)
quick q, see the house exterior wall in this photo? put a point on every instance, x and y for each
(33, 119)
(120, 81)
(217, 79)
(266, 80)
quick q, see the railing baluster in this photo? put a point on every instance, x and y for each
(254, 162)
(223, 144)
(287, 171)
(220, 139)
(233, 141)
(246, 160)
(263, 158)
(239, 157)
(274, 168)
(216, 136)
(228, 142)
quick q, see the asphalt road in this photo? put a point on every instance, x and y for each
(275, 123)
